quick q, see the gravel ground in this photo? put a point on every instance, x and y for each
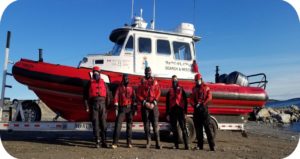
(260, 143)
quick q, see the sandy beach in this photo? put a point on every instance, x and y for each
(263, 141)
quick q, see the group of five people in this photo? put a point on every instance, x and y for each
(126, 99)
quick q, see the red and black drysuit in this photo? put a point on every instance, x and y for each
(176, 108)
(149, 92)
(200, 97)
(96, 93)
(125, 100)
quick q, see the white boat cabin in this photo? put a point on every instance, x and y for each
(136, 47)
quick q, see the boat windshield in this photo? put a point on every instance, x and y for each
(118, 45)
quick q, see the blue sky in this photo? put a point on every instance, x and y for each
(249, 36)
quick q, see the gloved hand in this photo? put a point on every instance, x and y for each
(144, 103)
(152, 105)
(168, 117)
(87, 109)
(147, 104)
(116, 106)
(155, 102)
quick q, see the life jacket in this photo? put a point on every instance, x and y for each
(124, 95)
(201, 95)
(149, 90)
(176, 98)
(97, 88)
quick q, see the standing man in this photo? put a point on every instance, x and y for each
(200, 97)
(176, 108)
(148, 94)
(96, 98)
(125, 104)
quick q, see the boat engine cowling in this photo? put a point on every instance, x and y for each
(237, 78)
(222, 78)
(234, 78)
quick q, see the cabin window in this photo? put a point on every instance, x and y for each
(129, 45)
(182, 51)
(144, 45)
(163, 47)
(99, 61)
(118, 46)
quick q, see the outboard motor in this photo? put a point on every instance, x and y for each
(237, 78)
(222, 78)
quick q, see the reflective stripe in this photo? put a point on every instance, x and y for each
(69, 126)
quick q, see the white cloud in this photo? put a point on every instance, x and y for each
(3, 5)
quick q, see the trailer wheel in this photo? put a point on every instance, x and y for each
(190, 131)
(213, 128)
(32, 112)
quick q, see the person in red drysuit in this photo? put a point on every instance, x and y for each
(125, 104)
(200, 97)
(96, 98)
(176, 109)
(148, 94)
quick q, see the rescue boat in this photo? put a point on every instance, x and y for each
(61, 87)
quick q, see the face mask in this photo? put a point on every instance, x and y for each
(175, 84)
(148, 75)
(125, 81)
(96, 76)
(199, 82)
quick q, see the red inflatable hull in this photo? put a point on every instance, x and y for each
(61, 88)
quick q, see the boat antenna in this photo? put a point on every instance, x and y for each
(132, 7)
(194, 14)
(153, 20)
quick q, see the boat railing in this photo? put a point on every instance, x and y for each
(261, 82)
(255, 80)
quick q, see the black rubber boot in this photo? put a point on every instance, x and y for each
(198, 148)
(104, 145)
(103, 141)
(97, 144)
(129, 144)
(148, 145)
(187, 147)
(176, 146)
(157, 139)
(158, 146)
